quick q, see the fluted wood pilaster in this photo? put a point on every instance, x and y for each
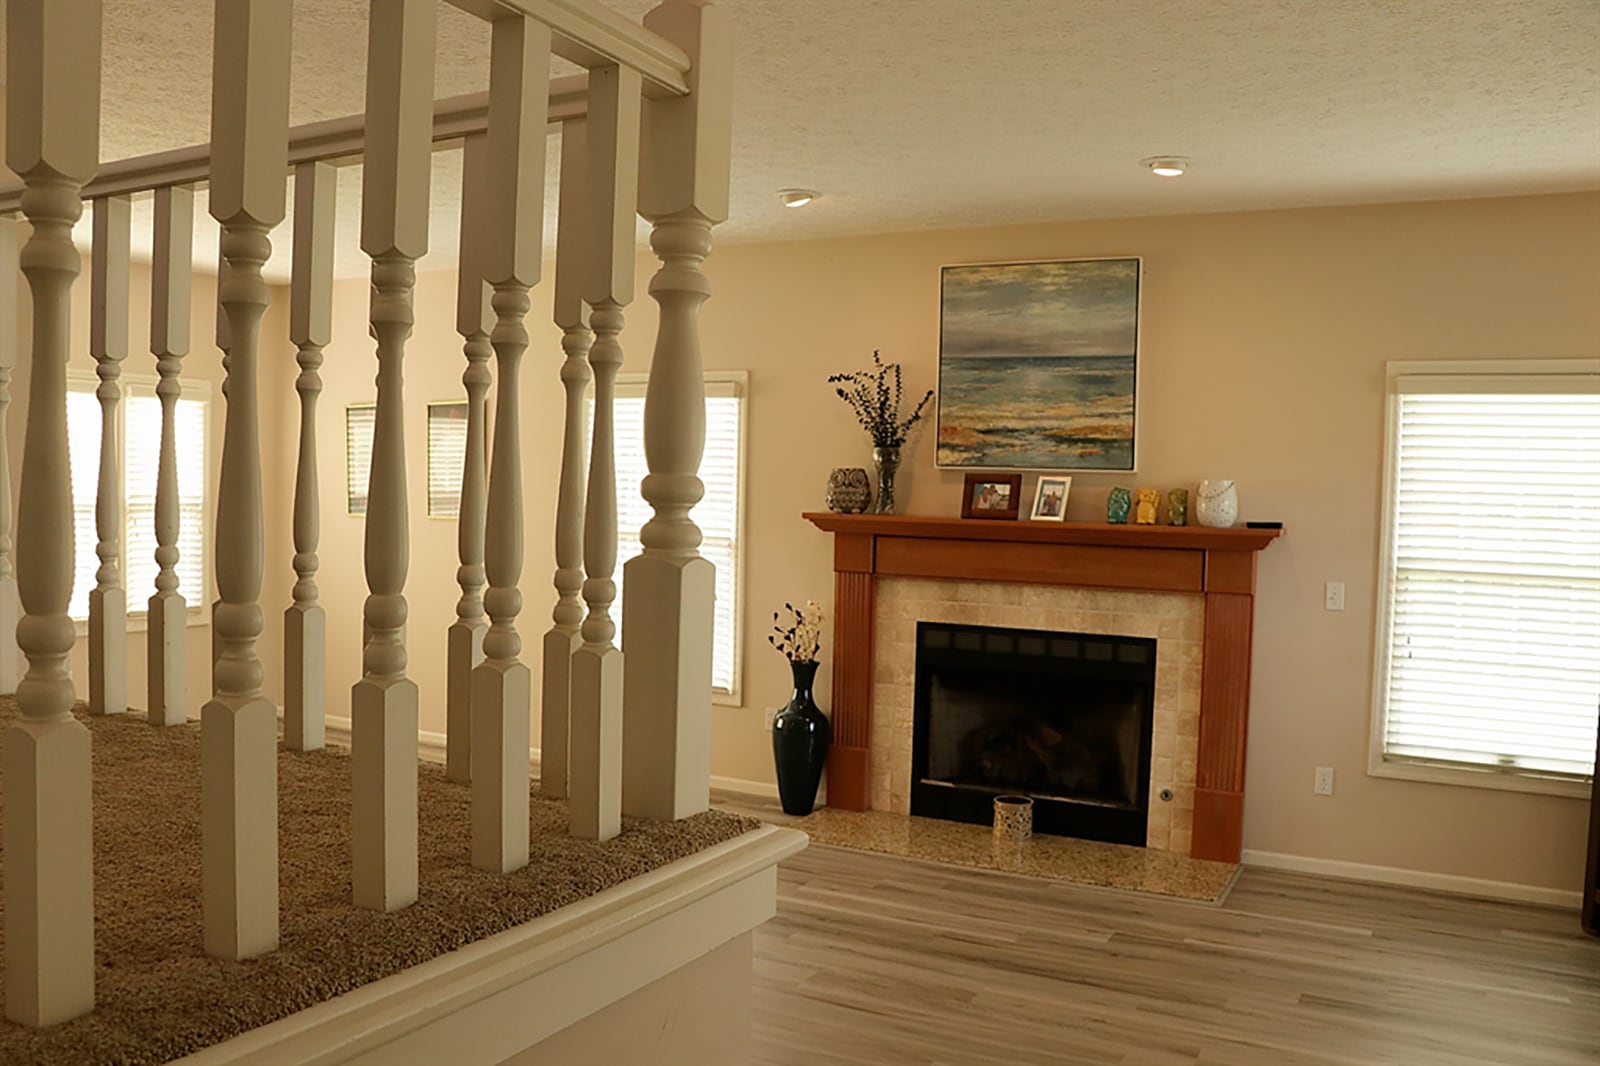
(10, 654)
(572, 317)
(310, 329)
(519, 70)
(108, 344)
(238, 758)
(52, 143)
(474, 320)
(595, 746)
(167, 643)
(394, 233)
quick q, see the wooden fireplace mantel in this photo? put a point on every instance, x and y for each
(1219, 564)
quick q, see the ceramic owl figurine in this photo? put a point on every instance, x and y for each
(1149, 500)
(849, 491)
(1178, 507)
(1117, 506)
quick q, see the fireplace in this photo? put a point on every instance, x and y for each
(1063, 717)
(1191, 587)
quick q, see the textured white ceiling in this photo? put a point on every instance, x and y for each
(911, 114)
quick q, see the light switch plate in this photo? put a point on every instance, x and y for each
(1335, 596)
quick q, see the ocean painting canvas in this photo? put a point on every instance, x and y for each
(1038, 365)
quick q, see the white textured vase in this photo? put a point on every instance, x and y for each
(1216, 504)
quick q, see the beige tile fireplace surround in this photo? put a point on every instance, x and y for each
(1174, 620)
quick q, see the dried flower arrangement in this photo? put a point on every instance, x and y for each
(876, 402)
(802, 638)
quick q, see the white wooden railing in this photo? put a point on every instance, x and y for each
(614, 738)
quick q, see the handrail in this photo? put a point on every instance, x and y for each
(592, 36)
(331, 140)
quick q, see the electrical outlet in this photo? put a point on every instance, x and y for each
(1324, 781)
(1335, 600)
(771, 713)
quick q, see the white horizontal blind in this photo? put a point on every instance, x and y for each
(1493, 646)
(360, 419)
(447, 455)
(83, 447)
(717, 514)
(141, 466)
(141, 456)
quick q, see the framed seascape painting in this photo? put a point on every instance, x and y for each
(1038, 365)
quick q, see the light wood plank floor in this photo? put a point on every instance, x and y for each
(876, 959)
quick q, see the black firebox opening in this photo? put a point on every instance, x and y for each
(1062, 717)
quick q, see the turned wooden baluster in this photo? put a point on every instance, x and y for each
(519, 70)
(398, 159)
(566, 636)
(474, 320)
(108, 343)
(683, 191)
(172, 271)
(224, 343)
(595, 746)
(10, 654)
(52, 143)
(239, 727)
(310, 329)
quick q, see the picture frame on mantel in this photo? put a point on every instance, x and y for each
(1039, 365)
(997, 496)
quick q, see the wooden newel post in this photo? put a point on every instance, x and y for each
(394, 232)
(671, 596)
(52, 143)
(108, 343)
(239, 726)
(474, 320)
(519, 71)
(595, 746)
(566, 637)
(172, 274)
(305, 623)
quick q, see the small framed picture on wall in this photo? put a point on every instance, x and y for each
(991, 496)
(1050, 499)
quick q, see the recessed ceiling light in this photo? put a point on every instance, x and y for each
(796, 197)
(1166, 166)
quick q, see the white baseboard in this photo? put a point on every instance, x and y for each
(1394, 875)
(764, 789)
(430, 745)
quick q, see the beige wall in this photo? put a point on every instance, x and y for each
(1264, 340)
(1262, 359)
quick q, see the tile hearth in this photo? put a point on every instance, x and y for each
(1079, 862)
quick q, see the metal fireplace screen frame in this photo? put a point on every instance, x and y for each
(1019, 659)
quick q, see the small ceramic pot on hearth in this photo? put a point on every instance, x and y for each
(1013, 818)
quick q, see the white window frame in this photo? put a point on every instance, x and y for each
(738, 383)
(197, 614)
(1379, 763)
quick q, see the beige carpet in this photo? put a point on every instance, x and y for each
(1078, 862)
(160, 997)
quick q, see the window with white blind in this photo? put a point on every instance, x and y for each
(1488, 658)
(447, 456)
(141, 455)
(719, 514)
(360, 420)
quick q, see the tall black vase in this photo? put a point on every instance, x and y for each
(800, 736)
